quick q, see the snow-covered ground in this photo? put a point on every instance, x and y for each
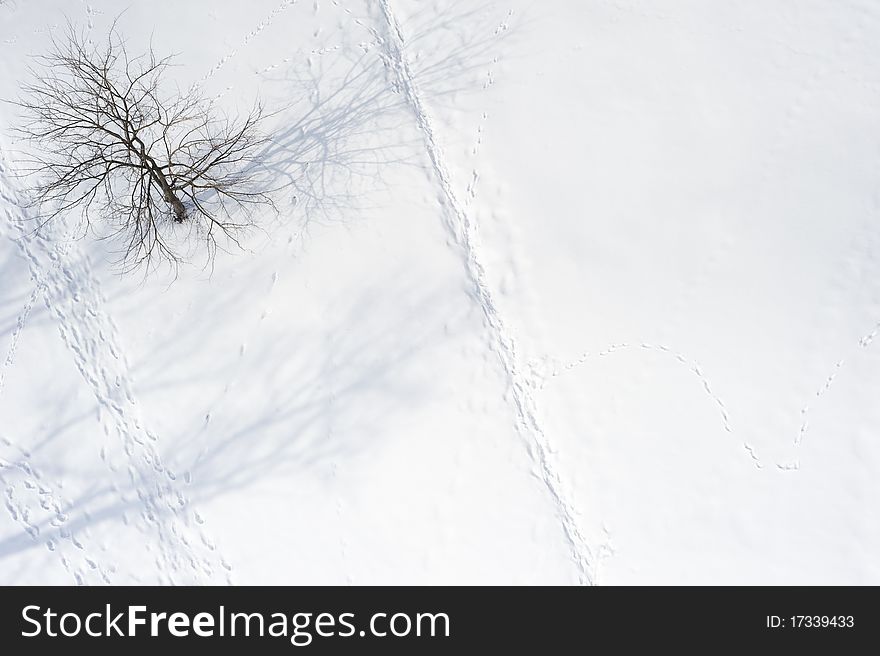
(561, 292)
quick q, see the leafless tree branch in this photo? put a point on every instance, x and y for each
(112, 143)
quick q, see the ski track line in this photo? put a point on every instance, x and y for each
(78, 560)
(466, 236)
(73, 298)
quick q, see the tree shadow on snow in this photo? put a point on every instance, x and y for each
(335, 386)
(350, 127)
(320, 394)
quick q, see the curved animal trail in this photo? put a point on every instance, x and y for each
(73, 298)
(792, 465)
(465, 234)
(683, 360)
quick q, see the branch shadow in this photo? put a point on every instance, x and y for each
(16, 288)
(349, 128)
(335, 386)
(330, 400)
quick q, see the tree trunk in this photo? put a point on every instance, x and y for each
(168, 194)
(176, 205)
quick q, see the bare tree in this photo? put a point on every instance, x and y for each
(113, 142)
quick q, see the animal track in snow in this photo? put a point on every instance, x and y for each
(20, 322)
(863, 343)
(31, 502)
(792, 465)
(683, 360)
(250, 36)
(465, 236)
(73, 298)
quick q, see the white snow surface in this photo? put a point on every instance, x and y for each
(571, 292)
